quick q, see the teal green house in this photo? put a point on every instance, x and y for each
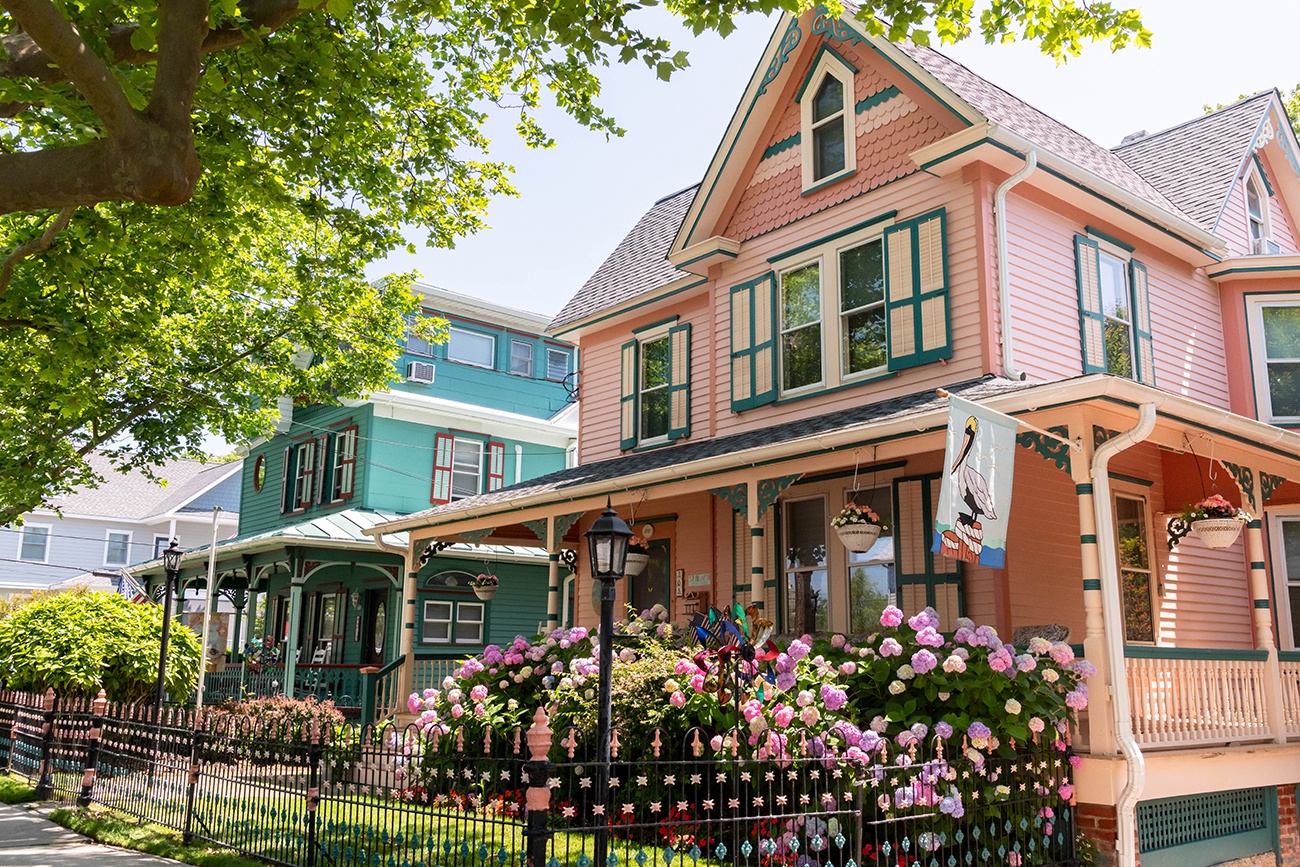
(341, 615)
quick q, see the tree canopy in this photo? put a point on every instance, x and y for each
(191, 189)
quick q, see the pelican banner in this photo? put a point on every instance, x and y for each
(975, 497)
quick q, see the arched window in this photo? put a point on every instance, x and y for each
(449, 578)
(828, 128)
(826, 104)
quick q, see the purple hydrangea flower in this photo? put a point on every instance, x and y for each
(923, 661)
(943, 729)
(833, 697)
(977, 729)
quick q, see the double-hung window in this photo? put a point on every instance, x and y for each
(862, 305)
(416, 345)
(117, 548)
(34, 545)
(160, 544)
(471, 347)
(466, 468)
(807, 599)
(521, 358)
(1137, 577)
(344, 469)
(458, 467)
(1285, 537)
(304, 475)
(1114, 309)
(826, 105)
(1273, 324)
(1257, 215)
(451, 622)
(655, 405)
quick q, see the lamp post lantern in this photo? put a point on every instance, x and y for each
(171, 569)
(607, 539)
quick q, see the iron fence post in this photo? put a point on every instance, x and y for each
(45, 788)
(537, 800)
(7, 723)
(96, 738)
(313, 790)
(196, 764)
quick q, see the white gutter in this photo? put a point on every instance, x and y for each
(1004, 274)
(1113, 618)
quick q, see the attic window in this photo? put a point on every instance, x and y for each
(1257, 214)
(827, 134)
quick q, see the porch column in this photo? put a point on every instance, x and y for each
(757, 574)
(1101, 738)
(1264, 628)
(406, 671)
(240, 599)
(291, 648)
(552, 575)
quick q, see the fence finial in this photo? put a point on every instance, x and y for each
(49, 699)
(539, 736)
(100, 704)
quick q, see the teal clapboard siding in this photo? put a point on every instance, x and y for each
(516, 609)
(1200, 830)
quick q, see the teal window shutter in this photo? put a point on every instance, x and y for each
(1145, 360)
(679, 381)
(753, 343)
(627, 396)
(286, 488)
(917, 316)
(1092, 323)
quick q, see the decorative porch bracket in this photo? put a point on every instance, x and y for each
(1049, 449)
(569, 558)
(737, 496)
(1245, 478)
(432, 548)
(1178, 530)
(1101, 434)
(562, 525)
(1268, 484)
(476, 537)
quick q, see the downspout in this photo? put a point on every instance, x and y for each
(1126, 805)
(1004, 276)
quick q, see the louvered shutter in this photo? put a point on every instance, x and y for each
(286, 489)
(306, 474)
(1092, 323)
(916, 291)
(496, 466)
(1146, 361)
(924, 578)
(753, 343)
(627, 396)
(443, 445)
(679, 381)
(322, 461)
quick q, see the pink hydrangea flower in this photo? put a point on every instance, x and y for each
(1000, 660)
(457, 711)
(1076, 699)
(891, 616)
(923, 661)
(924, 618)
(696, 682)
(1062, 653)
(798, 650)
(677, 700)
(837, 641)
(804, 699)
(786, 681)
(833, 697)
(810, 715)
(1084, 668)
(848, 667)
(1025, 662)
(784, 716)
(890, 647)
(478, 693)
(930, 637)
(480, 710)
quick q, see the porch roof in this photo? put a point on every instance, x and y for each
(344, 531)
(907, 415)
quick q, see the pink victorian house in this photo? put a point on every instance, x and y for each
(878, 223)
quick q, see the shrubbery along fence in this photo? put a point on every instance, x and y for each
(296, 792)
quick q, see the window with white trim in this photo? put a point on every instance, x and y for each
(344, 470)
(117, 548)
(1285, 537)
(655, 386)
(827, 132)
(521, 358)
(160, 544)
(416, 345)
(466, 468)
(1114, 310)
(448, 621)
(862, 308)
(1137, 574)
(1256, 213)
(471, 347)
(557, 364)
(1273, 325)
(801, 327)
(304, 475)
(1116, 307)
(807, 599)
(34, 544)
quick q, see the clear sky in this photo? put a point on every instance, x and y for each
(577, 200)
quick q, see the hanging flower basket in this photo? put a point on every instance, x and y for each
(859, 538)
(1217, 532)
(636, 563)
(485, 586)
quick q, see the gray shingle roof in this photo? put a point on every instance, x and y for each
(638, 264)
(863, 415)
(1028, 122)
(1195, 163)
(133, 496)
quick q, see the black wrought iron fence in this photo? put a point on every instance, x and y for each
(465, 796)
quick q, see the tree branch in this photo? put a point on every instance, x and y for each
(63, 46)
(182, 28)
(35, 245)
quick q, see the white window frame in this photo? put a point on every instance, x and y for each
(551, 352)
(303, 479)
(166, 543)
(461, 469)
(782, 330)
(427, 350)
(481, 622)
(478, 335)
(450, 621)
(22, 536)
(1154, 581)
(1282, 582)
(344, 475)
(108, 541)
(843, 315)
(1252, 178)
(644, 339)
(828, 64)
(1124, 258)
(1259, 354)
(829, 566)
(516, 343)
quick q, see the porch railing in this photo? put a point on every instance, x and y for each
(1289, 662)
(1186, 696)
(429, 673)
(338, 683)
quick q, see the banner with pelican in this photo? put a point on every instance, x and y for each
(975, 497)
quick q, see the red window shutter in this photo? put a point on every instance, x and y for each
(442, 451)
(306, 472)
(496, 466)
(348, 462)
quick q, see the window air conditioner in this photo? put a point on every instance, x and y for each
(1265, 247)
(419, 371)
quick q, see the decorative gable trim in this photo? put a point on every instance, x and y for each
(821, 53)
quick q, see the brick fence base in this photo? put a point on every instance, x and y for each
(1099, 824)
(1288, 825)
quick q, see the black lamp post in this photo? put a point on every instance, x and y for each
(607, 538)
(171, 568)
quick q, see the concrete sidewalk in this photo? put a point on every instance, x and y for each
(29, 839)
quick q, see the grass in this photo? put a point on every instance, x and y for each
(16, 790)
(115, 829)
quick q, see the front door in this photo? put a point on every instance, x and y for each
(374, 634)
(650, 588)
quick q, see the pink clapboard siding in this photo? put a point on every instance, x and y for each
(886, 133)
(1186, 319)
(1233, 227)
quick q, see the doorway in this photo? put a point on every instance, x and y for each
(374, 635)
(651, 587)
